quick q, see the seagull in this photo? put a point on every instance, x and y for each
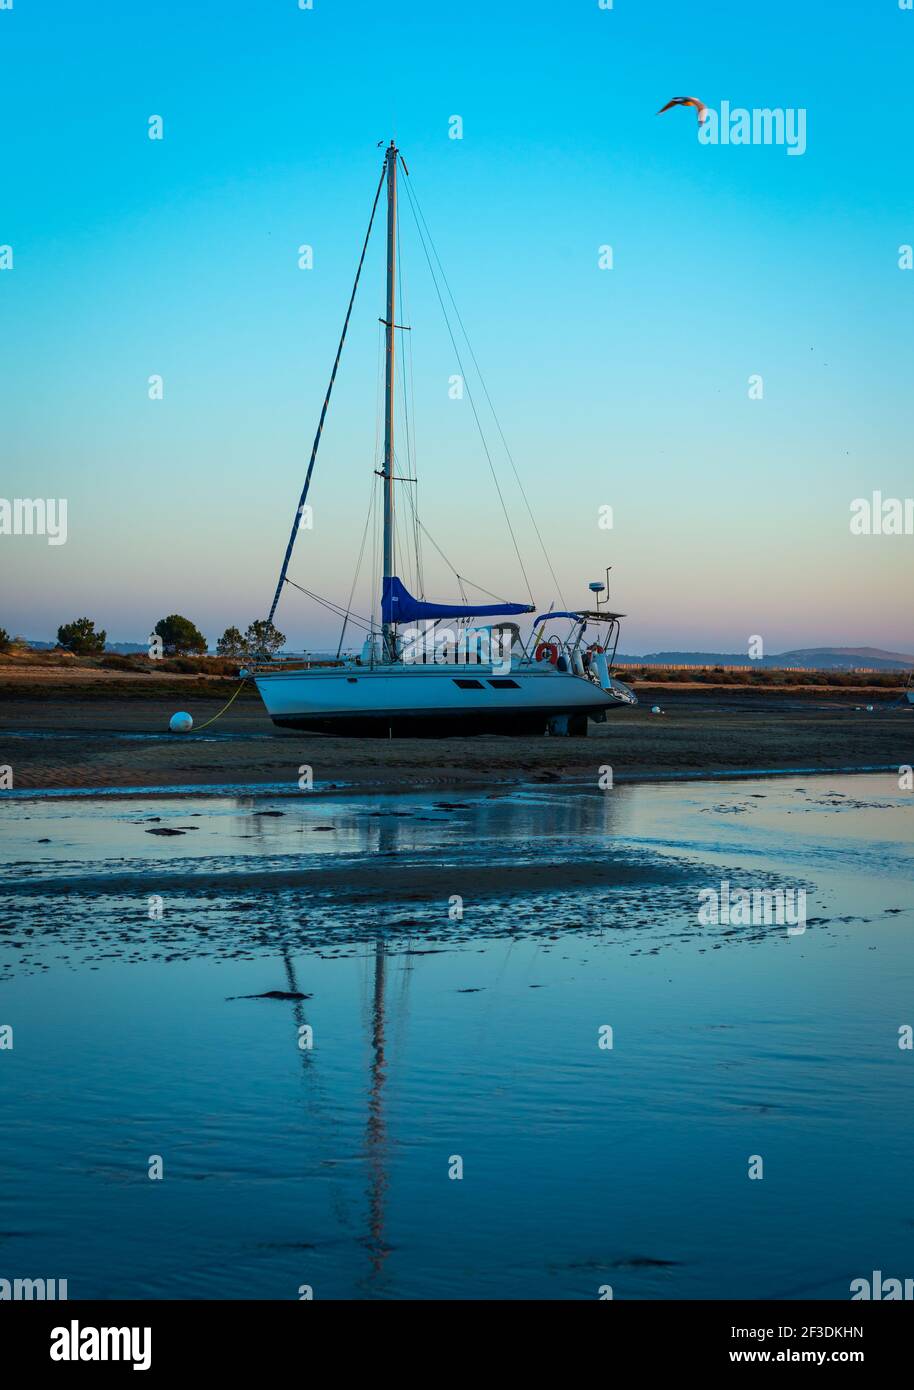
(700, 107)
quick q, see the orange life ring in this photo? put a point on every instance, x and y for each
(547, 651)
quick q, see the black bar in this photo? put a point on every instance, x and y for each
(278, 1339)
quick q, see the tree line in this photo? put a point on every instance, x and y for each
(177, 636)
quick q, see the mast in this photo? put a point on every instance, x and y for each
(388, 470)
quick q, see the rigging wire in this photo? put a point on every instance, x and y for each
(414, 495)
(412, 504)
(414, 197)
(376, 481)
(358, 567)
(469, 394)
(378, 398)
(403, 321)
(320, 424)
(462, 579)
(409, 415)
(335, 608)
(418, 527)
(401, 549)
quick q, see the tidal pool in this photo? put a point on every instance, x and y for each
(448, 969)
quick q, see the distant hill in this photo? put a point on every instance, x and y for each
(848, 656)
(818, 658)
(123, 648)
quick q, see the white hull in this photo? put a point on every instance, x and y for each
(417, 699)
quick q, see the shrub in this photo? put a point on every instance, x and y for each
(179, 636)
(81, 638)
(115, 661)
(263, 640)
(231, 643)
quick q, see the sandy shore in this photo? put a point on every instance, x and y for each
(101, 740)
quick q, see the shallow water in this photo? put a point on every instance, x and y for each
(437, 1035)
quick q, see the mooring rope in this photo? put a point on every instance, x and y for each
(224, 707)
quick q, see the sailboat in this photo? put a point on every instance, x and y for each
(430, 668)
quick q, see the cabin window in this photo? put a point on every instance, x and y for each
(504, 685)
(469, 685)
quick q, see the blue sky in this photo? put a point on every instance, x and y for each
(626, 388)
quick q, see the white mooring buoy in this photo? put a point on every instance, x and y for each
(181, 723)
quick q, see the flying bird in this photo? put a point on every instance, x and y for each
(700, 107)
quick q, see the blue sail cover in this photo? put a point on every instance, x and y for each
(399, 606)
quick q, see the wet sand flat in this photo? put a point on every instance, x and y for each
(159, 1004)
(103, 741)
